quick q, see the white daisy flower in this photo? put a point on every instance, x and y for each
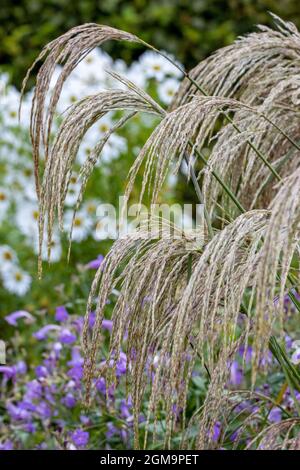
(27, 216)
(16, 281)
(91, 70)
(167, 89)
(7, 257)
(73, 190)
(153, 65)
(56, 249)
(136, 74)
(81, 227)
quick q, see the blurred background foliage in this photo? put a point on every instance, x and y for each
(189, 29)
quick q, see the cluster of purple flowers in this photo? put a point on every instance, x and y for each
(43, 402)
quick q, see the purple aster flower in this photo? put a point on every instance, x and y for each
(80, 438)
(61, 314)
(6, 445)
(275, 415)
(67, 337)
(96, 263)
(43, 332)
(15, 316)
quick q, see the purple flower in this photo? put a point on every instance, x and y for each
(15, 316)
(76, 372)
(101, 386)
(41, 372)
(8, 371)
(61, 314)
(17, 413)
(30, 427)
(236, 375)
(33, 390)
(80, 438)
(247, 353)
(275, 415)
(121, 364)
(111, 430)
(44, 410)
(107, 325)
(6, 445)
(77, 359)
(43, 332)
(96, 263)
(92, 319)
(125, 407)
(69, 400)
(67, 337)
(216, 431)
(21, 367)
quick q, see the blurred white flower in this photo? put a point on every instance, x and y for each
(16, 281)
(92, 69)
(82, 225)
(73, 190)
(7, 257)
(153, 65)
(10, 101)
(27, 215)
(56, 249)
(136, 74)
(167, 89)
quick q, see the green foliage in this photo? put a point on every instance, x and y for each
(190, 30)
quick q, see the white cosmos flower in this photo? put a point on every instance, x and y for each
(82, 225)
(8, 257)
(16, 281)
(167, 89)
